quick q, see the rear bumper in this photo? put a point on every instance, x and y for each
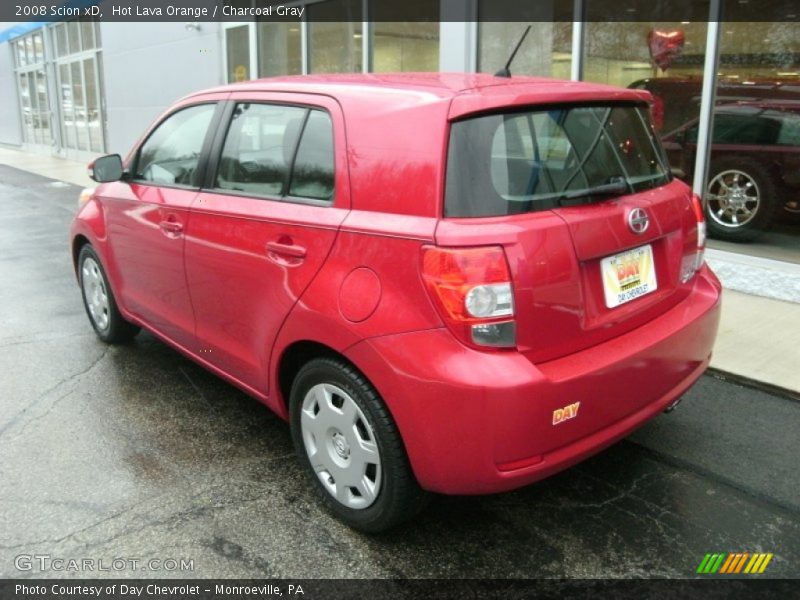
(480, 422)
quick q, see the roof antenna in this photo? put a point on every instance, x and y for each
(504, 72)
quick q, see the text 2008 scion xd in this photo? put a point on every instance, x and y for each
(445, 283)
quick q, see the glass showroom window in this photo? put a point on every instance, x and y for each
(665, 58)
(753, 181)
(279, 49)
(401, 45)
(34, 100)
(624, 53)
(79, 72)
(335, 37)
(752, 185)
(547, 51)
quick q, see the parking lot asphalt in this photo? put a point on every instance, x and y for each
(135, 452)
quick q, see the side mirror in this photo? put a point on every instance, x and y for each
(106, 168)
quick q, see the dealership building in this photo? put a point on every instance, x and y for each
(77, 89)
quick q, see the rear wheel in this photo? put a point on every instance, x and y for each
(99, 302)
(348, 441)
(740, 199)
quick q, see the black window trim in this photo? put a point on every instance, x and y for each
(218, 144)
(205, 148)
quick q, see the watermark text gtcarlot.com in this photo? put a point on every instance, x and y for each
(47, 562)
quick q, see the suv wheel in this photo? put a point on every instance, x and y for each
(740, 200)
(98, 300)
(347, 440)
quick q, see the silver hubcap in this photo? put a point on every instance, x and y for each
(733, 198)
(341, 446)
(95, 293)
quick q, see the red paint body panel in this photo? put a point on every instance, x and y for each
(472, 420)
(476, 422)
(150, 274)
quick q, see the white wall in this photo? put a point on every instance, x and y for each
(149, 66)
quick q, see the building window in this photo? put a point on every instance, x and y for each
(752, 187)
(80, 85)
(237, 48)
(279, 49)
(335, 37)
(31, 78)
(402, 45)
(547, 50)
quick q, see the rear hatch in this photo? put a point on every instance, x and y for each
(599, 238)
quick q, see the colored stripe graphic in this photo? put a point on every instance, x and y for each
(717, 563)
(741, 562)
(767, 558)
(711, 563)
(727, 565)
(704, 563)
(734, 563)
(732, 567)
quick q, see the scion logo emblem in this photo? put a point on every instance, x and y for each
(638, 220)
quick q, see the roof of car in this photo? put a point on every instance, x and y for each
(476, 89)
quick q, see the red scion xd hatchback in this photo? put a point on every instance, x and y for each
(445, 283)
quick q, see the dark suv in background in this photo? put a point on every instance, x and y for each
(754, 174)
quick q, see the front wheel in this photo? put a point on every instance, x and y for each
(740, 200)
(350, 446)
(99, 302)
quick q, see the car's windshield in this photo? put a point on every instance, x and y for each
(525, 161)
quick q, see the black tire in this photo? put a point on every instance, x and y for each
(114, 329)
(399, 496)
(755, 179)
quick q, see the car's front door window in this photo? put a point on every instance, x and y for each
(171, 153)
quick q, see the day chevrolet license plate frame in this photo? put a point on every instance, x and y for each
(628, 275)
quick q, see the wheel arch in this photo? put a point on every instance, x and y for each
(78, 242)
(300, 352)
(292, 359)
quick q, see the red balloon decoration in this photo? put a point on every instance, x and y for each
(665, 46)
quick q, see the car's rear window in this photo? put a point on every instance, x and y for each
(518, 162)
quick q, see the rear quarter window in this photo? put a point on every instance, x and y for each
(312, 176)
(790, 130)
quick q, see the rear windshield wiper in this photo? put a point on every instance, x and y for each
(615, 187)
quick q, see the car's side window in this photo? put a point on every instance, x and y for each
(171, 153)
(312, 176)
(259, 148)
(275, 150)
(790, 130)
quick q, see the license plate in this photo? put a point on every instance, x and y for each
(628, 275)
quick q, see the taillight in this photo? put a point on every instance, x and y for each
(472, 290)
(699, 256)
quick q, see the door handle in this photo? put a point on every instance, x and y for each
(290, 250)
(171, 226)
